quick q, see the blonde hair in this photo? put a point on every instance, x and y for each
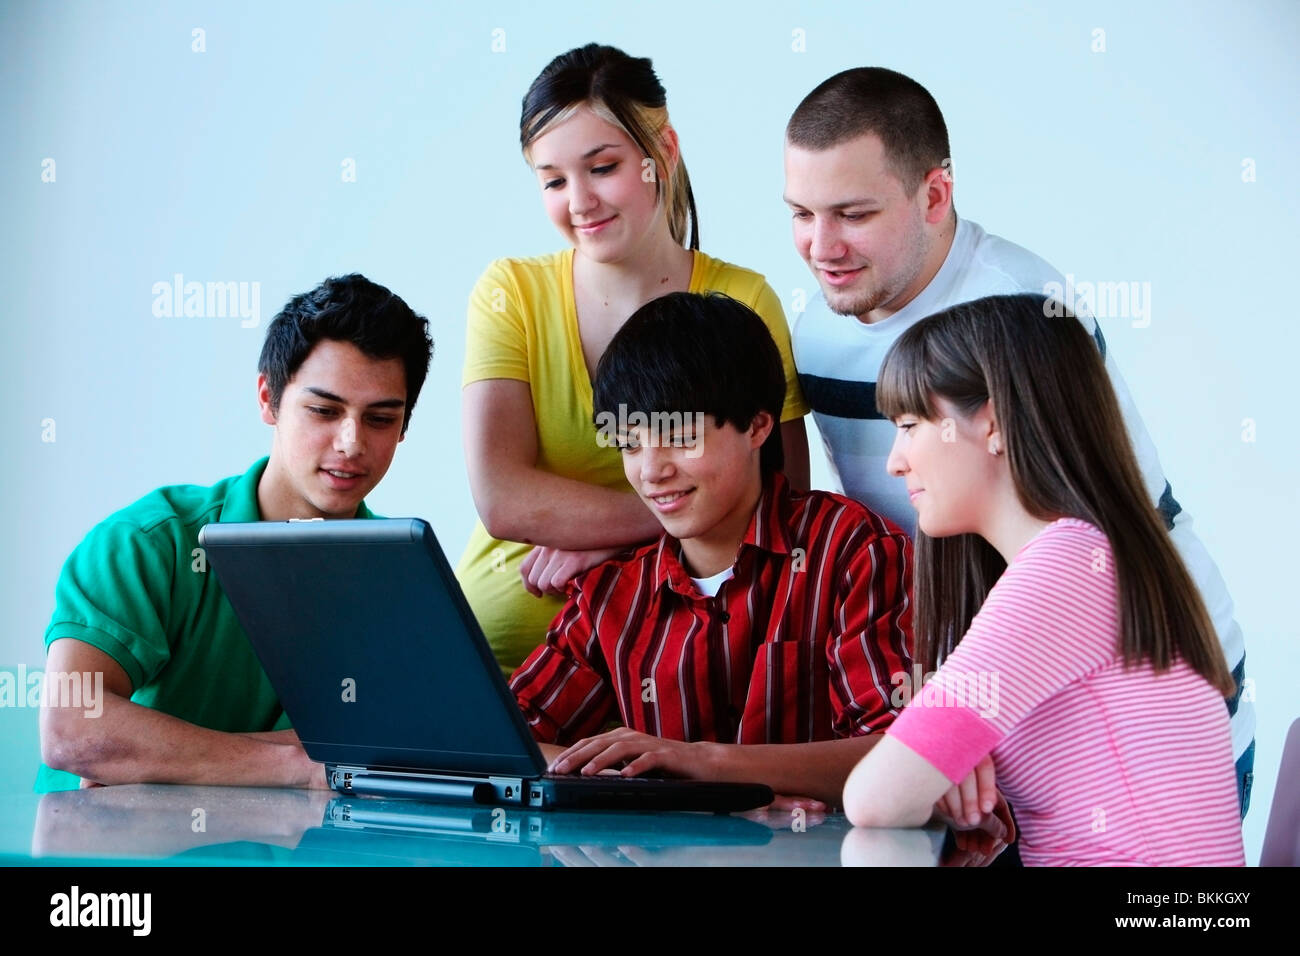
(624, 92)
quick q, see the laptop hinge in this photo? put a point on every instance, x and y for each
(477, 790)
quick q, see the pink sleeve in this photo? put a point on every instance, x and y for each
(1051, 619)
(951, 739)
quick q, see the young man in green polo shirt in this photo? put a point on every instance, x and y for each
(168, 687)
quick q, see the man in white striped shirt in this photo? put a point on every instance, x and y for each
(869, 184)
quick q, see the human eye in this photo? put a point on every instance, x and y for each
(604, 170)
(801, 214)
(856, 216)
(905, 426)
(627, 446)
(382, 421)
(553, 183)
(322, 411)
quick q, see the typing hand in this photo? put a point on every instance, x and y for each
(634, 754)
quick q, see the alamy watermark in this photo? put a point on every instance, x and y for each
(976, 690)
(77, 908)
(1102, 300)
(208, 300)
(20, 687)
(655, 429)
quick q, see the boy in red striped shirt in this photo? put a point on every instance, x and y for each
(760, 637)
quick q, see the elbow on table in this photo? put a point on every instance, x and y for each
(83, 744)
(65, 746)
(864, 811)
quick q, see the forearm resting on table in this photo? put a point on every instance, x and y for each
(129, 743)
(123, 742)
(893, 786)
(816, 769)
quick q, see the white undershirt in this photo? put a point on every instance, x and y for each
(709, 586)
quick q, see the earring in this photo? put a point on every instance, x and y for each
(995, 448)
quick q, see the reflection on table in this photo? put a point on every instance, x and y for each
(257, 826)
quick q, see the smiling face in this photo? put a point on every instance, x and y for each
(954, 479)
(595, 187)
(701, 481)
(337, 426)
(872, 247)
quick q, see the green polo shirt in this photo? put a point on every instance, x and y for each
(139, 588)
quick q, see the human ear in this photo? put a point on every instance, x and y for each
(672, 148)
(936, 189)
(992, 430)
(264, 399)
(760, 427)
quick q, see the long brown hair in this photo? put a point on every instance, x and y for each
(1070, 456)
(625, 92)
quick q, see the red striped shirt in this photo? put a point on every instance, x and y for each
(799, 645)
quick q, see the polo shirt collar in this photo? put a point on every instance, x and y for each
(767, 530)
(241, 499)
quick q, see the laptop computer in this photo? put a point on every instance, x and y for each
(379, 663)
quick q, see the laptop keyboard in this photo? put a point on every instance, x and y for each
(607, 778)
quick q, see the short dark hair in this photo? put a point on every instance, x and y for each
(691, 353)
(872, 99)
(351, 309)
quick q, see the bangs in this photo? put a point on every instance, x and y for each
(906, 383)
(546, 121)
(666, 388)
(690, 354)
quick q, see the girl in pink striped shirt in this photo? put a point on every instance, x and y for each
(1070, 643)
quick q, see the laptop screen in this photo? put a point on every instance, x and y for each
(365, 635)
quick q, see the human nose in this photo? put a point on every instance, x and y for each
(346, 440)
(582, 198)
(825, 244)
(896, 463)
(656, 463)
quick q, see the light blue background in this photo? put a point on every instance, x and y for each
(225, 166)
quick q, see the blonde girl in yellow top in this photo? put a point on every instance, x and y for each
(551, 495)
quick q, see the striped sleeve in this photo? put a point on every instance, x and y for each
(1051, 619)
(563, 687)
(870, 641)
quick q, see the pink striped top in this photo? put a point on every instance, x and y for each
(1103, 765)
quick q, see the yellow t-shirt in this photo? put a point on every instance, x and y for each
(523, 325)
